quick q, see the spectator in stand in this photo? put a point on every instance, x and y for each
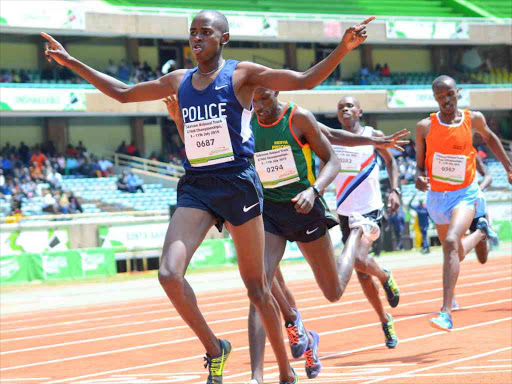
(74, 204)
(423, 222)
(106, 167)
(122, 148)
(385, 71)
(64, 205)
(397, 221)
(72, 166)
(124, 71)
(50, 205)
(363, 72)
(71, 151)
(132, 150)
(7, 165)
(134, 184)
(38, 157)
(24, 78)
(53, 178)
(122, 184)
(24, 152)
(60, 161)
(2, 181)
(80, 147)
(15, 217)
(15, 77)
(112, 68)
(36, 172)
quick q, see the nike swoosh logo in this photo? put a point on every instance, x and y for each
(222, 86)
(308, 232)
(247, 209)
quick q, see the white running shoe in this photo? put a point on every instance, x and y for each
(252, 381)
(371, 230)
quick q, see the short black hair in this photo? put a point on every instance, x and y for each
(444, 80)
(218, 18)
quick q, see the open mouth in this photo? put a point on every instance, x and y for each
(197, 49)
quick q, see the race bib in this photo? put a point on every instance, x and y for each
(449, 169)
(350, 160)
(276, 167)
(207, 142)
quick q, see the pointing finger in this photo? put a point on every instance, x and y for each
(371, 18)
(48, 37)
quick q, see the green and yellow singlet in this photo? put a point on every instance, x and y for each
(284, 164)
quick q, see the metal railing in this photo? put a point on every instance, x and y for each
(166, 169)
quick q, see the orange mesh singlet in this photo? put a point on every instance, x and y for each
(451, 157)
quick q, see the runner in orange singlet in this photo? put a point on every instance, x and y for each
(446, 168)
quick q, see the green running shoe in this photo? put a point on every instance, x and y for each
(216, 364)
(392, 290)
(389, 331)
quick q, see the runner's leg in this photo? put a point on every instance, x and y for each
(249, 241)
(186, 231)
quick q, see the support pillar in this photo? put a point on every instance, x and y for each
(132, 50)
(365, 52)
(56, 129)
(290, 54)
(137, 134)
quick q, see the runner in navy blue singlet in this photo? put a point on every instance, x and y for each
(220, 185)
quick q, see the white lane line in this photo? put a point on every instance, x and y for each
(297, 292)
(501, 360)
(472, 357)
(402, 341)
(153, 331)
(151, 365)
(456, 373)
(330, 305)
(484, 366)
(25, 379)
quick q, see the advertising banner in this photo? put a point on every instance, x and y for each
(72, 264)
(420, 98)
(138, 236)
(53, 15)
(42, 99)
(14, 269)
(500, 216)
(427, 30)
(33, 241)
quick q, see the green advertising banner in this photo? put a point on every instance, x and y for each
(72, 264)
(97, 262)
(14, 269)
(42, 99)
(214, 252)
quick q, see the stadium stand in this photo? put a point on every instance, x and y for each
(350, 7)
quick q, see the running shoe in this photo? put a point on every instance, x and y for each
(253, 381)
(389, 331)
(392, 290)
(216, 364)
(371, 230)
(483, 224)
(297, 336)
(442, 322)
(295, 379)
(455, 305)
(313, 363)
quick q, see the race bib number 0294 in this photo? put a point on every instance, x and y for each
(276, 167)
(207, 142)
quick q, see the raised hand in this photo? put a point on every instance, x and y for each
(396, 140)
(356, 35)
(54, 50)
(173, 107)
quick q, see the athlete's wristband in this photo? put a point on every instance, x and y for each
(397, 191)
(315, 188)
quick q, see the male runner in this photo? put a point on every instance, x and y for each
(446, 167)
(285, 137)
(220, 184)
(359, 200)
